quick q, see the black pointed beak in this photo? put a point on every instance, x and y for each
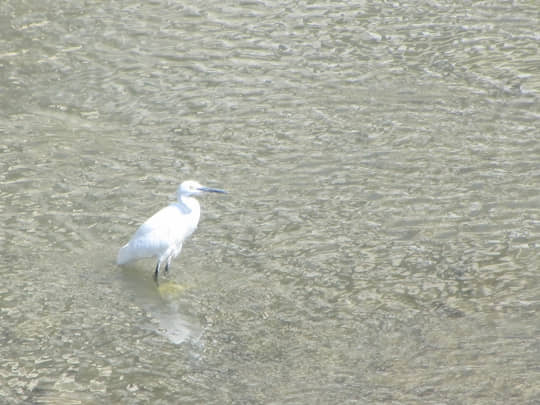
(212, 190)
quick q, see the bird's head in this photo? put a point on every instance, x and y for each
(191, 187)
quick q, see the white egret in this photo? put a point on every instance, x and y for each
(163, 234)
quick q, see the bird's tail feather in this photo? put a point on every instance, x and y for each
(124, 255)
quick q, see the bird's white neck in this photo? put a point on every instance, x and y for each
(188, 204)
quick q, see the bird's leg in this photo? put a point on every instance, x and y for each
(168, 263)
(169, 258)
(156, 273)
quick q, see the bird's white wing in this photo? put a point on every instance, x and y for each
(154, 236)
(161, 227)
(162, 233)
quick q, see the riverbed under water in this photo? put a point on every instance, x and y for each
(380, 239)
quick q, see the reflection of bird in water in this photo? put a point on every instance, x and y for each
(163, 234)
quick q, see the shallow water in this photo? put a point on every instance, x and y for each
(380, 239)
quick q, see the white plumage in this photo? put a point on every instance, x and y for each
(163, 234)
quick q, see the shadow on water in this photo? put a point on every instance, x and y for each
(161, 303)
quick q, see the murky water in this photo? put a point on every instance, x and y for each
(380, 239)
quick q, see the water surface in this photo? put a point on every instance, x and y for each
(380, 239)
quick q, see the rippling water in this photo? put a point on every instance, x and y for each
(380, 239)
